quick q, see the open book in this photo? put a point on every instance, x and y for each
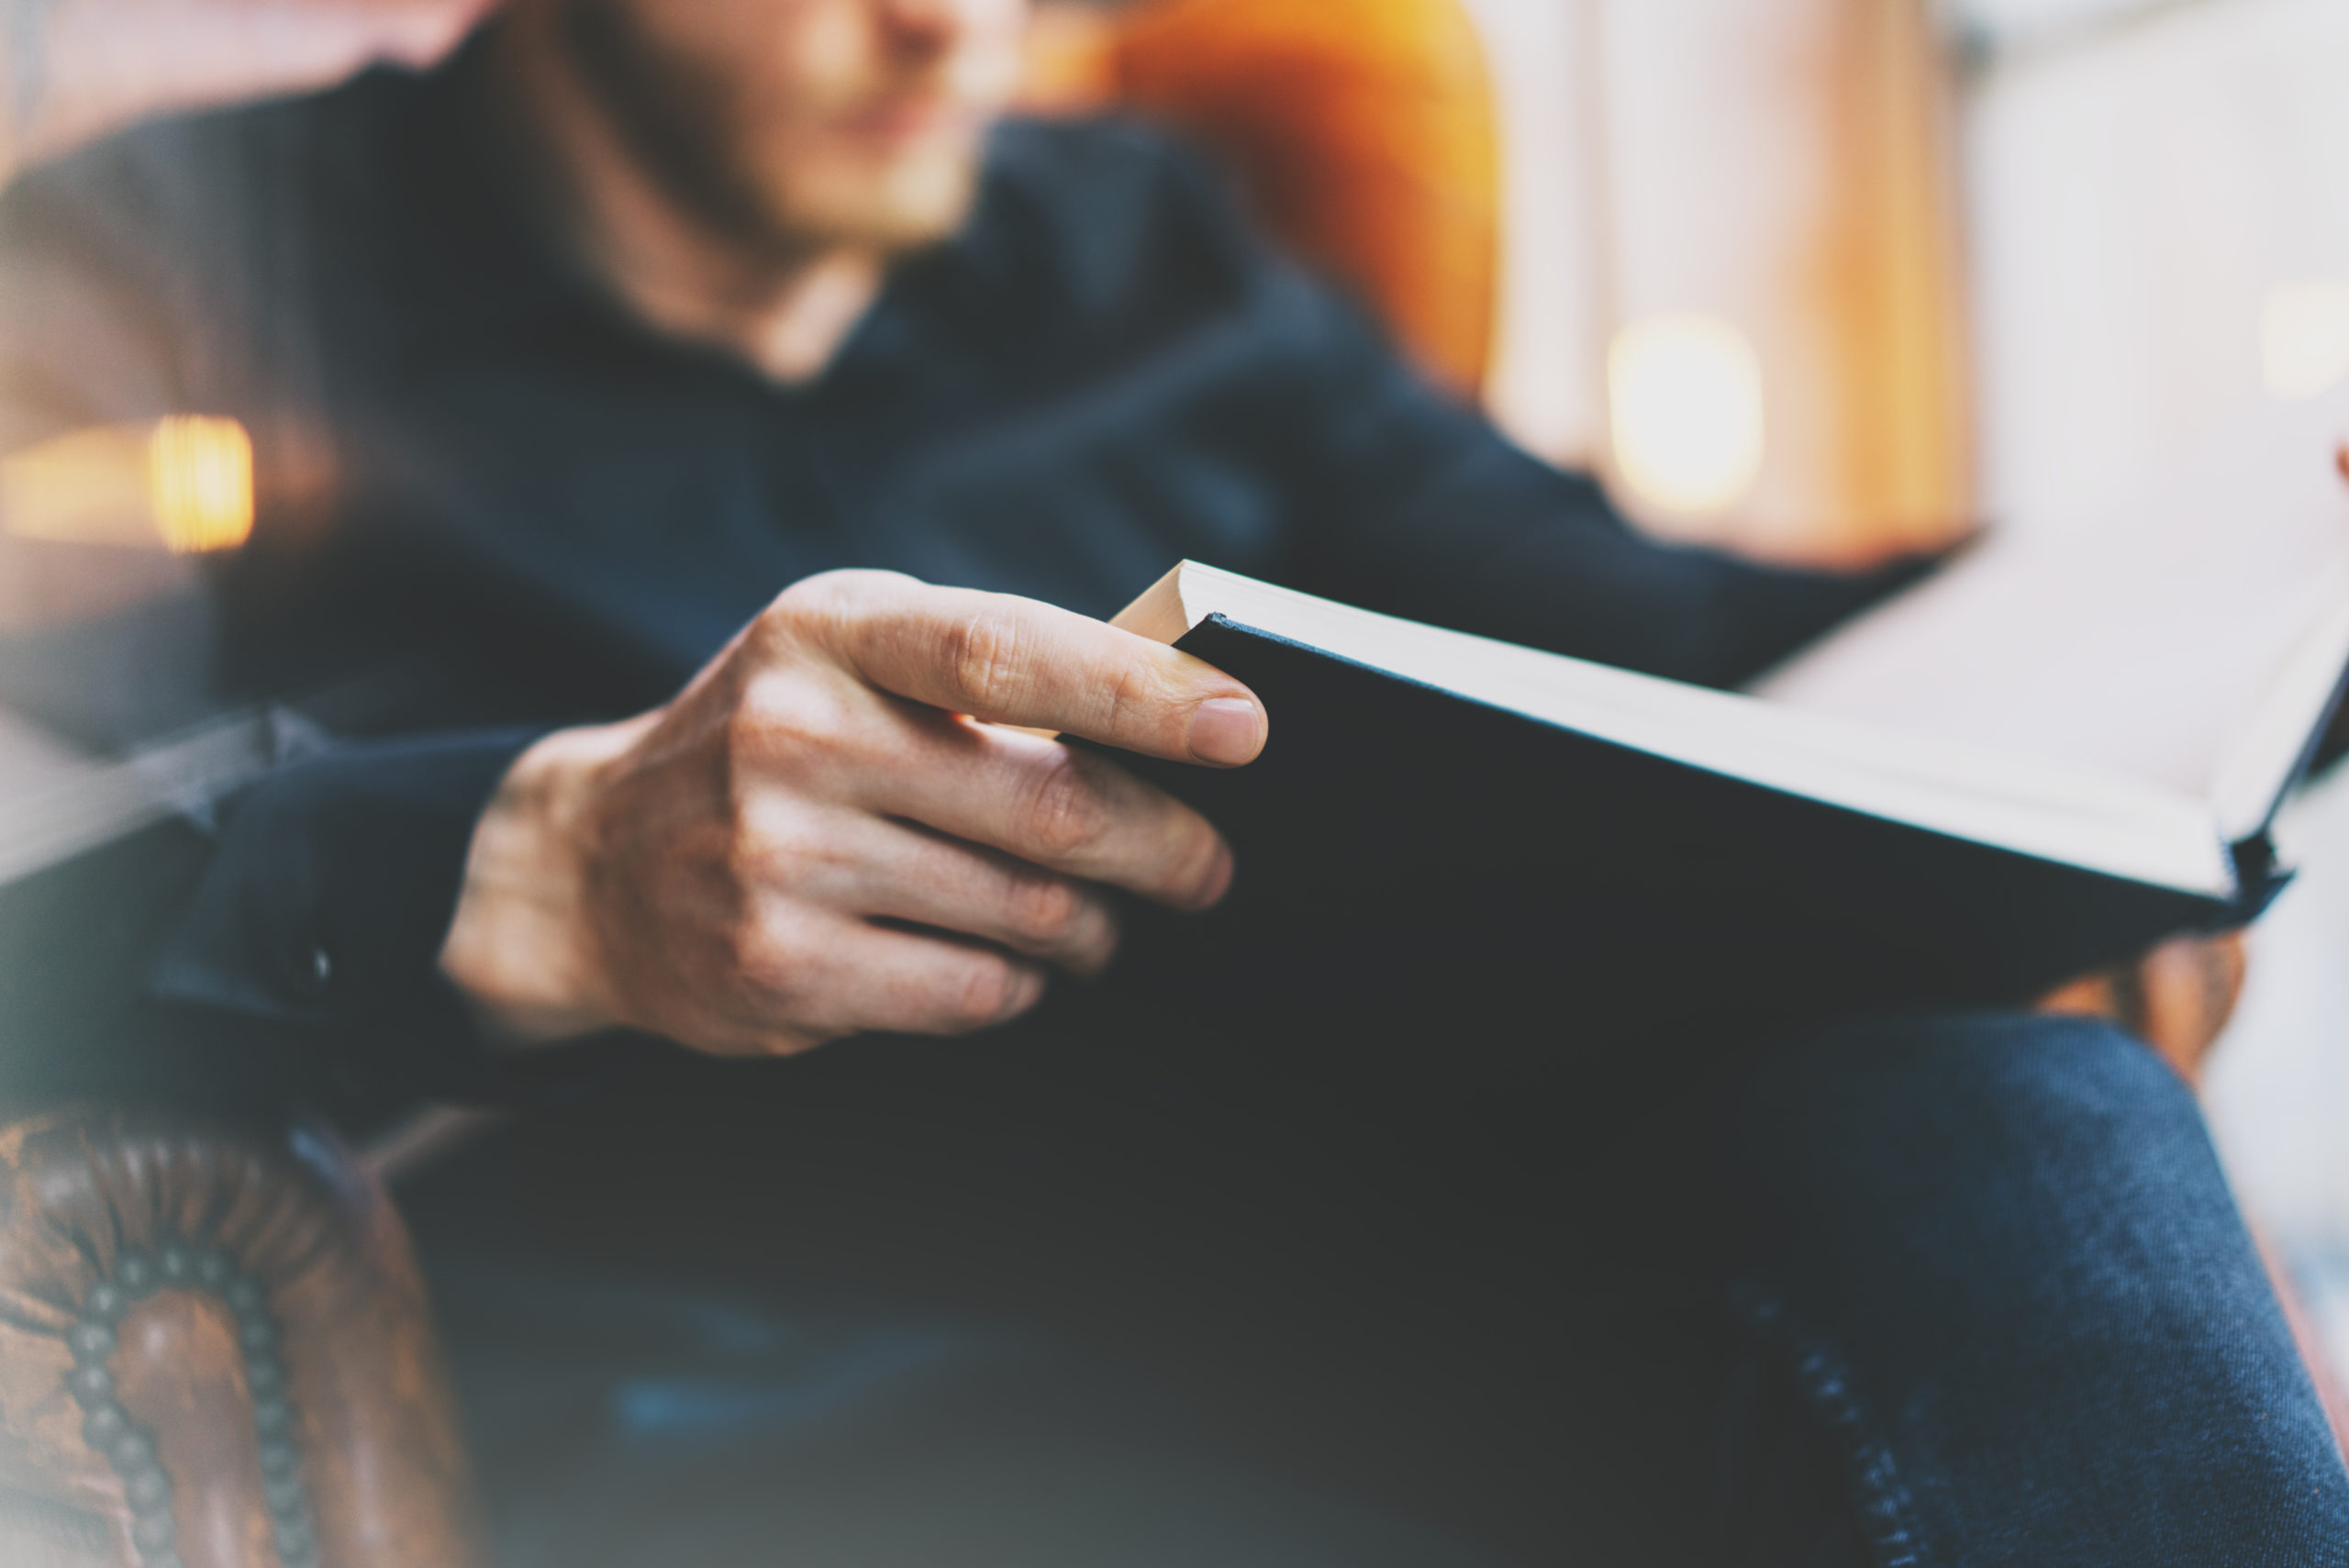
(2045, 758)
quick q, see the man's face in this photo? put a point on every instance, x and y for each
(807, 123)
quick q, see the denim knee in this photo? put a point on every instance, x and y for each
(2036, 1096)
(2043, 1159)
(2015, 1233)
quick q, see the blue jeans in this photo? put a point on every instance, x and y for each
(1949, 1291)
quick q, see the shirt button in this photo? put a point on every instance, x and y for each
(318, 972)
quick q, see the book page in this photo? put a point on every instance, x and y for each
(2140, 642)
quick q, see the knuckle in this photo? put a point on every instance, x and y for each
(1044, 909)
(820, 607)
(786, 720)
(981, 654)
(768, 846)
(751, 743)
(817, 596)
(763, 962)
(757, 723)
(1065, 815)
(1131, 698)
(790, 613)
(750, 847)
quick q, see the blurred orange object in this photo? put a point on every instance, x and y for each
(2178, 999)
(182, 484)
(98, 520)
(1363, 133)
(200, 483)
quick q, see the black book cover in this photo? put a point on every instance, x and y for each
(1389, 826)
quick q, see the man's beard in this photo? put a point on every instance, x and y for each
(698, 134)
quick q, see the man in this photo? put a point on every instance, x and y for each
(651, 343)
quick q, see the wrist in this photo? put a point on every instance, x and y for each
(521, 946)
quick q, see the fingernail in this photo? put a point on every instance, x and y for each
(1226, 731)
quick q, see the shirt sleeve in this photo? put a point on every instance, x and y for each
(142, 281)
(324, 905)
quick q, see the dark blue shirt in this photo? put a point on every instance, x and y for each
(484, 478)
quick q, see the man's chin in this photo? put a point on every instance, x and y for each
(910, 207)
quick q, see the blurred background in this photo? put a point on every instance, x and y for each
(1819, 279)
(1909, 262)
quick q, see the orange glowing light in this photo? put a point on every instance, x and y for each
(200, 482)
(182, 484)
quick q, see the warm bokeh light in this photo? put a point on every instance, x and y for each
(183, 484)
(200, 482)
(2304, 336)
(1685, 395)
(84, 487)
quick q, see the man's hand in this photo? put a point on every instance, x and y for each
(832, 831)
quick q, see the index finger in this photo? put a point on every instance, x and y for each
(1013, 661)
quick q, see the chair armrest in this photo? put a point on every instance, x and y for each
(2177, 998)
(214, 1351)
(1366, 135)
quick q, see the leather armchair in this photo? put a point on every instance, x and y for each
(215, 1347)
(215, 1352)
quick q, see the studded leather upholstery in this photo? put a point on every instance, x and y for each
(215, 1352)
